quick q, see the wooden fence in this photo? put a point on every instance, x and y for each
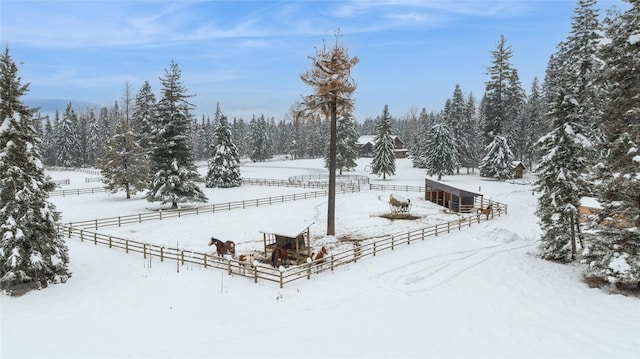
(382, 187)
(78, 191)
(292, 273)
(213, 208)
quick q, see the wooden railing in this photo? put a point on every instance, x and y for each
(212, 208)
(359, 250)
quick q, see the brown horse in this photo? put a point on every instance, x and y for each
(318, 257)
(487, 211)
(280, 253)
(222, 248)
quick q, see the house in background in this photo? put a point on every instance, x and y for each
(367, 142)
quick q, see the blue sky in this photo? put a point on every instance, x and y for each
(248, 55)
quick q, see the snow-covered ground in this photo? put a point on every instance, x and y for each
(481, 292)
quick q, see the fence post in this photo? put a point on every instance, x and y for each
(109, 241)
(408, 237)
(139, 218)
(118, 221)
(69, 232)
(374, 248)
(81, 239)
(126, 246)
(161, 254)
(332, 262)
(144, 250)
(449, 227)
(309, 270)
(229, 266)
(205, 260)
(436, 229)
(182, 256)
(95, 239)
(160, 213)
(281, 284)
(392, 242)
(96, 224)
(423, 233)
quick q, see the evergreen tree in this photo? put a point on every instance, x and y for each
(455, 121)
(470, 157)
(533, 125)
(260, 139)
(498, 162)
(48, 144)
(174, 174)
(614, 248)
(502, 93)
(66, 140)
(419, 147)
(32, 251)
(124, 165)
(560, 181)
(142, 116)
(441, 157)
(384, 159)
(346, 146)
(224, 164)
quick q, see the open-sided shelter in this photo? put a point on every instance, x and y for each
(455, 199)
(293, 232)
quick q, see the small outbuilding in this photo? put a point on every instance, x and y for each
(291, 232)
(455, 199)
(518, 169)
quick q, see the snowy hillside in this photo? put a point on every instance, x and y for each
(481, 292)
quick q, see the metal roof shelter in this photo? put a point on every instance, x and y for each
(455, 199)
(290, 231)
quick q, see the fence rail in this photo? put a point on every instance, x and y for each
(217, 207)
(383, 187)
(78, 191)
(359, 250)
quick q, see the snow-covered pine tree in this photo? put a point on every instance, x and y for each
(533, 125)
(262, 145)
(66, 140)
(560, 179)
(174, 175)
(384, 159)
(470, 158)
(496, 100)
(498, 162)
(142, 116)
(224, 164)
(32, 251)
(613, 253)
(124, 165)
(346, 145)
(441, 157)
(455, 121)
(418, 149)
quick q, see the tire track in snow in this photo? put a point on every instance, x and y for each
(432, 272)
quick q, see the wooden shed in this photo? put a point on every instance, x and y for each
(455, 199)
(293, 232)
(518, 169)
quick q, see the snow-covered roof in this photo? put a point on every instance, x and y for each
(515, 164)
(590, 202)
(287, 227)
(363, 140)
